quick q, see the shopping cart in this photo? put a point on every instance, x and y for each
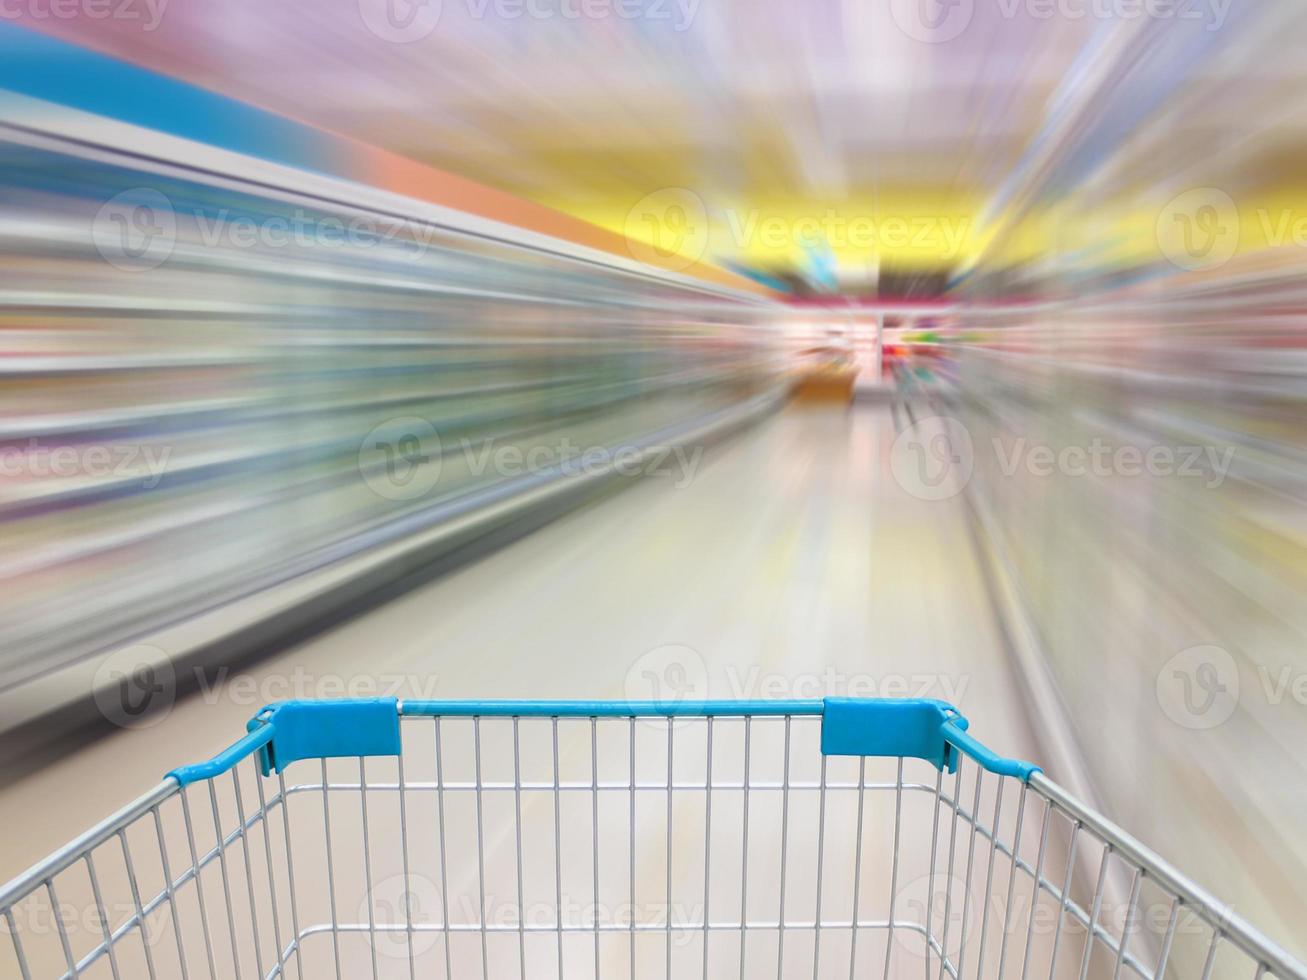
(830, 838)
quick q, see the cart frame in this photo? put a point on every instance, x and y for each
(930, 732)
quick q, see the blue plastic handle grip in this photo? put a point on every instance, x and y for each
(608, 709)
(989, 760)
(224, 761)
(908, 728)
(881, 727)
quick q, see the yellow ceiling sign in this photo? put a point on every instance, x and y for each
(678, 221)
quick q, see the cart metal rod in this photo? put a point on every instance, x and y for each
(1225, 922)
(72, 852)
(586, 928)
(608, 787)
(610, 709)
(95, 953)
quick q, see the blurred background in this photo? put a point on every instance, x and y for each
(648, 348)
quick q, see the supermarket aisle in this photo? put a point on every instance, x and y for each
(786, 564)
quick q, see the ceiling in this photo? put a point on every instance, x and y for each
(834, 137)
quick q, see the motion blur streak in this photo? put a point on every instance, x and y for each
(1028, 277)
(235, 395)
(1139, 479)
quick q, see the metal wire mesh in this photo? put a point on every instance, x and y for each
(541, 847)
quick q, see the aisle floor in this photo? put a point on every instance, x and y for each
(792, 565)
